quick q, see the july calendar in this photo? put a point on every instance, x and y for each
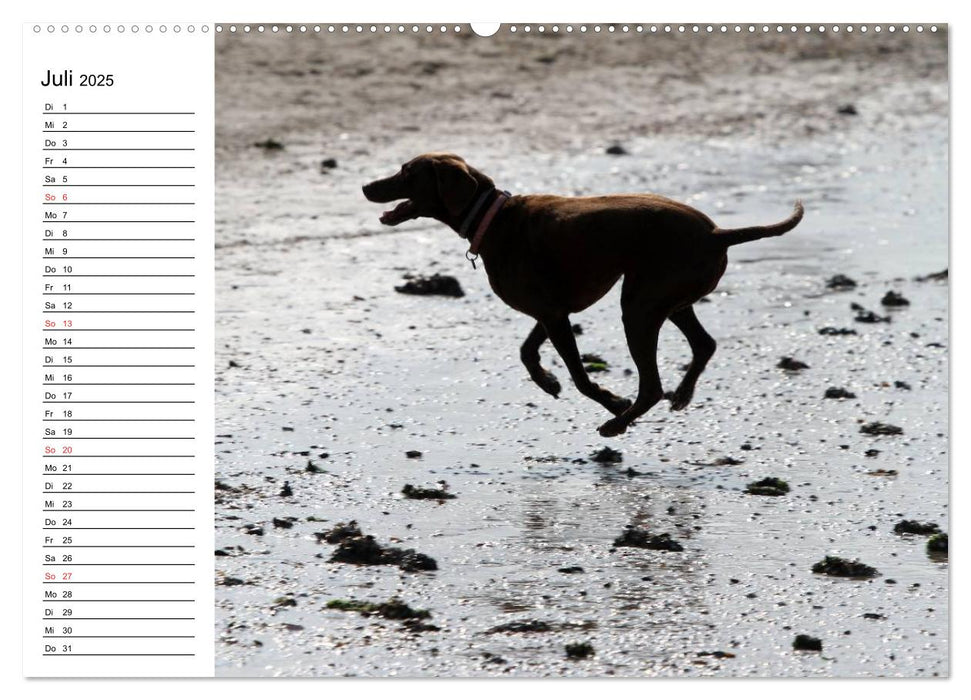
(470, 351)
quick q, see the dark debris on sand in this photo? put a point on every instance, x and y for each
(836, 392)
(867, 316)
(418, 493)
(393, 609)
(364, 550)
(770, 486)
(830, 330)
(594, 363)
(339, 533)
(607, 456)
(914, 527)
(521, 627)
(937, 544)
(837, 566)
(840, 282)
(790, 364)
(269, 145)
(579, 650)
(893, 298)
(642, 539)
(934, 276)
(803, 642)
(878, 428)
(441, 285)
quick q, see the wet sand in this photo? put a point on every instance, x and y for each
(319, 360)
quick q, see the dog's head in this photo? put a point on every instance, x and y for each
(437, 185)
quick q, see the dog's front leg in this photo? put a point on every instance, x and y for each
(529, 354)
(561, 335)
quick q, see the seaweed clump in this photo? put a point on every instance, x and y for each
(418, 493)
(393, 609)
(878, 428)
(579, 650)
(837, 566)
(441, 285)
(642, 539)
(339, 533)
(770, 486)
(803, 642)
(937, 544)
(607, 455)
(913, 527)
(364, 550)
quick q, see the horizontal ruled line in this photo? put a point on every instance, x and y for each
(118, 257)
(121, 294)
(117, 437)
(114, 636)
(106, 184)
(123, 474)
(119, 510)
(118, 131)
(73, 564)
(106, 583)
(123, 221)
(73, 491)
(73, 365)
(119, 546)
(119, 167)
(123, 600)
(114, 204)
(115, 330)
(118, 384)
(124, 347)
(119, 528)
(129, 113)
(118, 149)
(48, 240)
(71, 274)
(78, 401)
(72, 654)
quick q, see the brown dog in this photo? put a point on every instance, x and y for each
(550, 256)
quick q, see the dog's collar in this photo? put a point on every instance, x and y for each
(474, 211)
(490, 214)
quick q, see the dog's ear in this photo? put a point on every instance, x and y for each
(456, 186)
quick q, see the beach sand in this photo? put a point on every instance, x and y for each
(321, 362)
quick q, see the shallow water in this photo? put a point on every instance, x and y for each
(332, 360)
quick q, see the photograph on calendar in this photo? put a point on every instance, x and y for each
(582, 351)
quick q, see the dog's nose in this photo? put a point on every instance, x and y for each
(368, 191)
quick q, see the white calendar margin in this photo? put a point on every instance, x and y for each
(151, 70)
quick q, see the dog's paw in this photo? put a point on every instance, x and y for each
(679, 399)
(548, 382)
(613, 427)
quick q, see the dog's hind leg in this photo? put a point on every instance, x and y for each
(702, 348)
(529, 354)
(642, 323)
(561, 335)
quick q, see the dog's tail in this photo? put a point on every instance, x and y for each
(734, 236)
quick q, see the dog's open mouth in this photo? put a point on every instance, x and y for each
(405, 211)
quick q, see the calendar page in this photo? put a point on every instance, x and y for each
(514, 350)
